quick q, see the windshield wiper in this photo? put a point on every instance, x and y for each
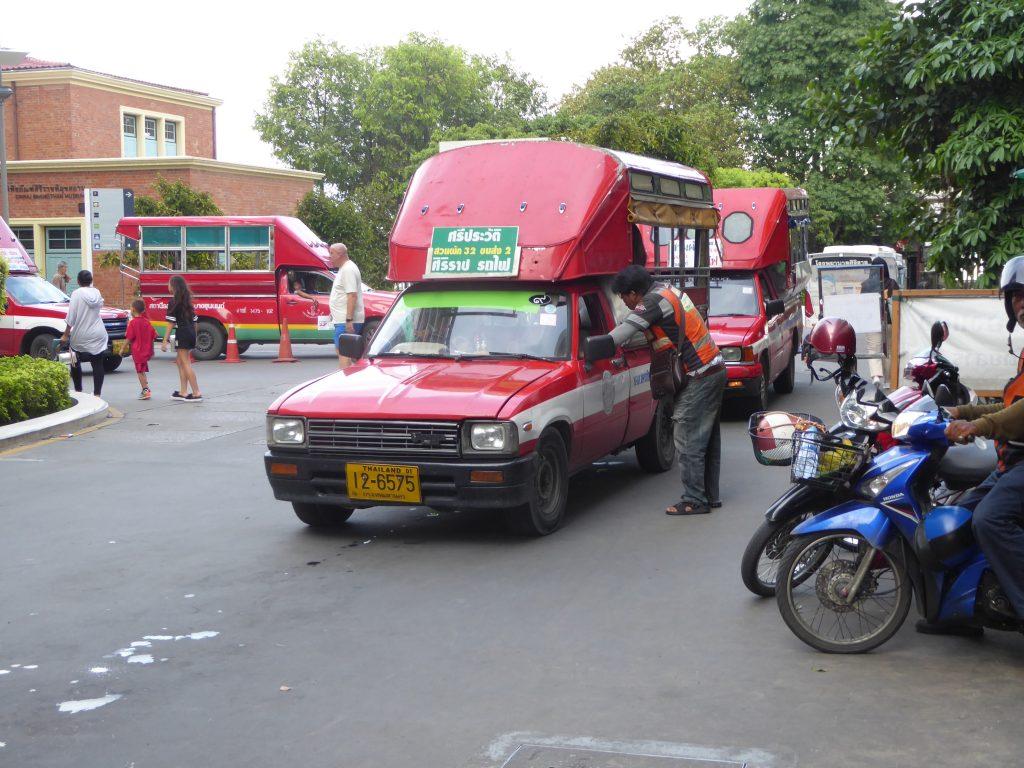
(504, 355)
(410, 354)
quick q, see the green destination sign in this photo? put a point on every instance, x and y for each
(473, 252)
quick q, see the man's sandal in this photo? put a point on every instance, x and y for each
(687, 508)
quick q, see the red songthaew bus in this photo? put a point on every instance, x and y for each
(244, 270)
(37, 310)
(476, 392)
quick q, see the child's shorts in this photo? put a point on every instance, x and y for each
(141, 366)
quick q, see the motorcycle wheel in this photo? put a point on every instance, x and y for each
(759, 566)
(813, 603)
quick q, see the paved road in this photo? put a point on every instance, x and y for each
(423, 640)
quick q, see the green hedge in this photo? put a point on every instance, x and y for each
(30, 387)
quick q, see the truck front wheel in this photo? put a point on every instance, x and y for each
(42, 345)
(321, 515)
(211, 341)
(111, 363)
(544, 513)
(656, 451)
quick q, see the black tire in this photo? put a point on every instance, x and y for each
(759, 402)
(656, 451)
(787, 379)
(211, 341)
(545, 512)
(769, 540)
(243, 346)
(369, 328)
(42, 345)
(111, 363)
(321, 515)
(802, 547)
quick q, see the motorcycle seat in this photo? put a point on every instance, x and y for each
(965, 466)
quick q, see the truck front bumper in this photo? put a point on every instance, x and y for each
(320, 479)
(744, 379)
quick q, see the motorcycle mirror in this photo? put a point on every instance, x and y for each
(940, 332)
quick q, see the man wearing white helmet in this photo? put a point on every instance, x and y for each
(998, 503)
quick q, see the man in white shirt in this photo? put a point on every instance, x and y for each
(347, 312)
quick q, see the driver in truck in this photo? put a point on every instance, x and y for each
(672, 324)
(998, 503)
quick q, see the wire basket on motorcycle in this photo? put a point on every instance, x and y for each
(772, 435)
(824, 460)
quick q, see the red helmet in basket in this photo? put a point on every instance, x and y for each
(831, 337)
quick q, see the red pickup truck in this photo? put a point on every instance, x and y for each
(475, 392)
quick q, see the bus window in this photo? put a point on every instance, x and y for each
(251, 248)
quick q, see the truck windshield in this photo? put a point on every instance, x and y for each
(733, 296)
(476, 323)
(30, 289)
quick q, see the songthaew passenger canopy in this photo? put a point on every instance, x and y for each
(667, 194)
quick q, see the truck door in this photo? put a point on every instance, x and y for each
(774, 327)
(605, 386)
(303, 300)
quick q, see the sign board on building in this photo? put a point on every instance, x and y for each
(473, 252)
(104, 208)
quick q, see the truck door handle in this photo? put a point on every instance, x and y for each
(291, 302)
(619, 362)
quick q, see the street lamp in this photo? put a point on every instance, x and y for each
(9, 59)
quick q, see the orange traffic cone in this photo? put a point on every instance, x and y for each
(284, 350)
(231, 353)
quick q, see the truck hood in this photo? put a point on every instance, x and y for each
(414, 389)
(735, 330)
(61, 311)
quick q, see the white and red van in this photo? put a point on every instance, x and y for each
(476, 392)
(37, 310)
(243, 270)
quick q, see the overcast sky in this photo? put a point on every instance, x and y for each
(230, 49)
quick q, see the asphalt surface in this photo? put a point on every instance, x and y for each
(410, 638)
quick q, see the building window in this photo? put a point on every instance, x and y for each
(63, 238)
(151, 145)
(27, 237)
(130, 136)
(170, 138)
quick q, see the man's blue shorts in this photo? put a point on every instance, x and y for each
(339, 328)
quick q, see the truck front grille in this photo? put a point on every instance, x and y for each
(117, 328)
(384, 437)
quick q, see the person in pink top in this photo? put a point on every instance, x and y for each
(141, 336)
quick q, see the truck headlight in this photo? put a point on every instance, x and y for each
(731, 354)
(289, 431)
(490, 437)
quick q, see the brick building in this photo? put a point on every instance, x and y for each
(69, 128)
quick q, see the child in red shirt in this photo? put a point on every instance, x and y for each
(141, 336)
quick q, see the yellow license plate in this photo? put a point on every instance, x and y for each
(384, 482)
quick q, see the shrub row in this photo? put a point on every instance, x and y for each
(30, 387)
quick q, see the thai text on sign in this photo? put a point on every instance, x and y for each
(473, 252)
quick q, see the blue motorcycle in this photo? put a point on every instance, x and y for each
(846, 580)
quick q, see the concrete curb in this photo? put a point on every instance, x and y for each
(87, 411)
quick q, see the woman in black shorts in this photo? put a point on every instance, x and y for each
(181, 318)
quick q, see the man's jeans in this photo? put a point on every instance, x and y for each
(998, 506)
(697, 416)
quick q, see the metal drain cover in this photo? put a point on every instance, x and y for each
(528, 756)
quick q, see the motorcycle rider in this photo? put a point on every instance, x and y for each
(998, 503)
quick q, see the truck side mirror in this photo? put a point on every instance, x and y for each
(598, 348)
(774, 307)
(351, 345)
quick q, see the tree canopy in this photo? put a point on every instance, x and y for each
(943, 83)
